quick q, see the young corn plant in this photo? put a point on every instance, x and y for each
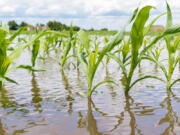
(137, 34)
(90, 59)
(67, 47)
(35, 51)
(156, 51)
(172, 50)
(7, 58)
(37, 45)
(34, 54)
(179, 55)
(172, 46)
(126, 51)
(51, 43)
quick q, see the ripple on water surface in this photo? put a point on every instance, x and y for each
(48, 103)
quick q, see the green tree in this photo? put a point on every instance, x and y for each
(104, 29)
(54, 25)
(92, 29)
(76, 28)
(23, 24)
(13, 25)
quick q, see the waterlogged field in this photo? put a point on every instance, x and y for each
(53, 83)
(49, 103)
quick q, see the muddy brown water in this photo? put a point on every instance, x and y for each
(48, 103)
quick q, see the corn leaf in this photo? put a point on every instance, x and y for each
(145, 77)
(35, 51)
(106, 81)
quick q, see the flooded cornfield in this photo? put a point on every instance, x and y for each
(55, 82)
(49, 103)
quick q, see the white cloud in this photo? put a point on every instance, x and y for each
(84, 12)
(8, 9)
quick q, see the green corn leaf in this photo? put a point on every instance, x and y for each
(84, 39)
(125, 50)
(169, 17)
(137, 36)
(127, 58)
(95, 58)
(10, 80)
(67, 48)
(134, 15)
(169, 31)
(177, 43)
(68, 57)
(173, 29)
(3, 78)
(145, 77)
(108, 47)
(106, 81)
(177, 80)
(17, 33)
(71, 31)
(35, 51)
(30, 68)
(115, 40)
(16, 53)
(84, 63)
(3, 34)
(4, 28)
(158, 63)
(176, 62)
(146, 30)
(137, 30)
(117, 59)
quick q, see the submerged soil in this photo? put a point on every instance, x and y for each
(49, 103)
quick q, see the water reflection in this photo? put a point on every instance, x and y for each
(69, 97)
(36, 97)
(6, 101)
(129, 102)
(171, 116)
(123, 81)
(140, 73)
(109, 85)
(92, 124)
(80, 83)
(156, 67)
(2, 131)
(130, 109)
(89, 120)
(134, 110)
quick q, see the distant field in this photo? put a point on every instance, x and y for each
(88, 32)
(96, 32)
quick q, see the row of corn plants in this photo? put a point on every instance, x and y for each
(88, 53)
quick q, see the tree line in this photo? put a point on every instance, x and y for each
(52, 25)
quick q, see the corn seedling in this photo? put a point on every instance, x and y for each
(67, 47)
(137, 34)
(156, 51)
(95, 56)
(7, 58)
(172, 46)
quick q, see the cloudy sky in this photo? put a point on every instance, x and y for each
(85, 13)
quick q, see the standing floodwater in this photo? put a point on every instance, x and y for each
(48, 103)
